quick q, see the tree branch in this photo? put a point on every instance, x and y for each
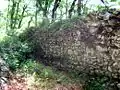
(22, 15)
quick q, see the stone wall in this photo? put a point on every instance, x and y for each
(89, 46)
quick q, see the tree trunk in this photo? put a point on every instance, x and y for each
(71, 8)
(56, 5)
(79, 7)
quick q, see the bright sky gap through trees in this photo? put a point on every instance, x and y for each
(4, 3)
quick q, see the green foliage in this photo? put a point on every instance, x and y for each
(14, 51)
(39, 69)
(96, 83)
(64, 24)
(100, 8)
(113, 0)
(28, 66)
(47, 73)
(44, 72)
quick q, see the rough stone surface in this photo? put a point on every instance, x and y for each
(89, 46)
(4, 71)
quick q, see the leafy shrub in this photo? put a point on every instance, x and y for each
(14, 51)
(96, 83)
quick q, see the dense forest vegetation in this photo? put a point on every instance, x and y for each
(40, 43)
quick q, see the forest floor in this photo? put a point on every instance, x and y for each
(46, 79)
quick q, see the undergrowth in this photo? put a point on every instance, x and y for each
(14, 52)
(44, 76)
